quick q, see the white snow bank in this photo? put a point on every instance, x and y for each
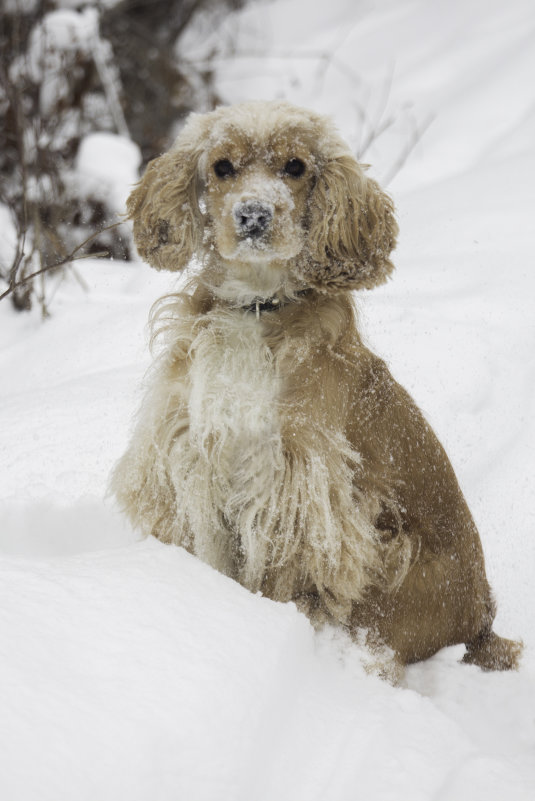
(140, 673)
(107, 167)
(125, 669)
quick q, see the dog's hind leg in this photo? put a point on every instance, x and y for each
(491, 652)
(440, 603)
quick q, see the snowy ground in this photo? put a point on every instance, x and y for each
(129, 670)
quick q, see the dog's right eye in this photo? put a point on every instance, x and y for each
(295, 168)
(224, 168)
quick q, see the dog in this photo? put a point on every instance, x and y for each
(272, 443)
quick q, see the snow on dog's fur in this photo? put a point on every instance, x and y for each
(271, 442)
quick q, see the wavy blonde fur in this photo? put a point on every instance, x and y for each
(271, 442)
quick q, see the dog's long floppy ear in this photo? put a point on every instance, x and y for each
(164, 206)
(352, 228)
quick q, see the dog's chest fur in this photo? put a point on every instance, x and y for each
(233, 401)
(247, 501)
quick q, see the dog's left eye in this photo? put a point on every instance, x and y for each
(224, 168)
(294, 167)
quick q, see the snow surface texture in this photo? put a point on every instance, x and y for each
(130, 670)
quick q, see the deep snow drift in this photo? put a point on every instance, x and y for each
(129, 670)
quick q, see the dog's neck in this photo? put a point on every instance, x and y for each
(256, 292)
(274, 303)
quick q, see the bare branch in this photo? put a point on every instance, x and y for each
(62, 262)
(417, 134)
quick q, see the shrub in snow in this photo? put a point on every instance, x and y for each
(79, 81)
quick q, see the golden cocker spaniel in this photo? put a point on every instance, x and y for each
(272, 443)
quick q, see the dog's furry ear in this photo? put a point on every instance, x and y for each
(164, 206)
(352, 229)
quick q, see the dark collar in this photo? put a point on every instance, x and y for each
(271, 304)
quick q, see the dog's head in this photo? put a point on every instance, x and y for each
(274, 192)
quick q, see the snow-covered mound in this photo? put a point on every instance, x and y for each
(139, 673)
(128, 669)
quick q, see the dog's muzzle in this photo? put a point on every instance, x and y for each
(252, 218)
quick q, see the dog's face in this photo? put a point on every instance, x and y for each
(257, 195)
(268, 195)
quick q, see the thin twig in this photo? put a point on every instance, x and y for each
(70, 257)
(417, 134)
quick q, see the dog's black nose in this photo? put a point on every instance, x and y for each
(252, 217)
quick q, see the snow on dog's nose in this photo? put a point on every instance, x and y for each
(252, 217)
